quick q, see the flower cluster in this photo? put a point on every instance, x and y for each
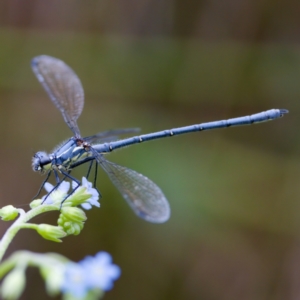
(84, 195)
(91, 274)
(87, 279)
(71, 219)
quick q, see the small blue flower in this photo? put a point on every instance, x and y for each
(58, 194)
(62, 191)
(89, 190)
(92, 273)
(100, 271)
(74, 281)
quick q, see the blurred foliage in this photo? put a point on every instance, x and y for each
(234, 229)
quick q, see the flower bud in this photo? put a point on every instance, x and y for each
(53, 278)
(79, 197)
(35, 203)
(8, 213)
(71, 220)
(73, 214)
(73, 228)
(50, 232)
(13, 284)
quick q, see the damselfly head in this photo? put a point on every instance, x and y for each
(41, 161)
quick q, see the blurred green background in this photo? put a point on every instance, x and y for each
(234, 231)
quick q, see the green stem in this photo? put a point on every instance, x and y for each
(19, 223)
(29, 226)
(30, 259)
(6, 266)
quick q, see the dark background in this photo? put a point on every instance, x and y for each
(234, 193)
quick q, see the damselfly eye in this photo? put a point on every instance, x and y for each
(39, 160)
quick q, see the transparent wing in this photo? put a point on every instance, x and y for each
(144, 196)
(63, 87)
(109, 135)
